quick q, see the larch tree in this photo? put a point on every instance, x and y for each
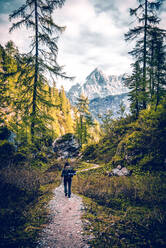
(41, 61)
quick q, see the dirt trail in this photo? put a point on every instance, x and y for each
(64, 229)
(91, 168)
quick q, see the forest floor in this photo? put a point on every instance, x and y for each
(65, 227)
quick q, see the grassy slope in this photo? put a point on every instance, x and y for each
(127, 211)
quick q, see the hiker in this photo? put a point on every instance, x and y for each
(67, 173)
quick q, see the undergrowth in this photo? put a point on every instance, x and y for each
(24, 194)
(124, 211)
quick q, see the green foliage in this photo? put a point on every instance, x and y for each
(53, 115)
(145, 145)
(147, 82)
(112, 134)
(83, 120)
(90, 153)
(39, 62)
(129, 142)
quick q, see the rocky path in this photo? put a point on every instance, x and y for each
(64, 229)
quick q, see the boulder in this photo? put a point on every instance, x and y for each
(120, 172)
(66, 146)
(119, 167)
(125, 171)
(6, 134)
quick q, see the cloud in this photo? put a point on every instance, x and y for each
(94, 35)
(91, 40)
(7, 6)
(20, 36)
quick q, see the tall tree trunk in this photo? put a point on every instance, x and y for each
(158, 81)
(145, 55)
(81, 130)
(136, 97)
(36, 75)
(151, 81)
(157, 92)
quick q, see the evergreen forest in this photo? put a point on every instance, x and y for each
(121, 211)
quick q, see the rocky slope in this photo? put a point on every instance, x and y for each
(104, 93)
(99, 106)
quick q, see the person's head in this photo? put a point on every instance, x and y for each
(66, 164)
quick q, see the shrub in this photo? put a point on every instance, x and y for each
(6, 153)
(19, 157)
(4, 133)
(41, 156)
(23, 178)
(90, 152)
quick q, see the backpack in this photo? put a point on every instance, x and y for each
(68, 172)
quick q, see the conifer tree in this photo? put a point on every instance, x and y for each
(3, 87)
(157, 65)
(83, 120)
(42, 59)
(147, 18)
(144, 77)
(63, 100)
(133, 82)
(8, 68)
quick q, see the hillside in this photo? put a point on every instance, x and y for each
(127, 211)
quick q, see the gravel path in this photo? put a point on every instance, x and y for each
(64, 229)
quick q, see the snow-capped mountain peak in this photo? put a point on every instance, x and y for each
(97, 84)
(96, 76)
(104, 93)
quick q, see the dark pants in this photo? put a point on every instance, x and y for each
(67, 186)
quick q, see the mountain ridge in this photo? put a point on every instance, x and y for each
(101, 90)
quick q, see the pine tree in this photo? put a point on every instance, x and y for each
(146, 15)
(133, 82)
(3, 87)
(83, 120)
(160, 66)
(63, 100)
(42, 59)
(8, 69)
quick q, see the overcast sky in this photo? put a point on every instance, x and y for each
(94, 35)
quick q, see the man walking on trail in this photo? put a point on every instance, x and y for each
(67, 173)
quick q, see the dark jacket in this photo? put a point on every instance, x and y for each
(68, 172)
